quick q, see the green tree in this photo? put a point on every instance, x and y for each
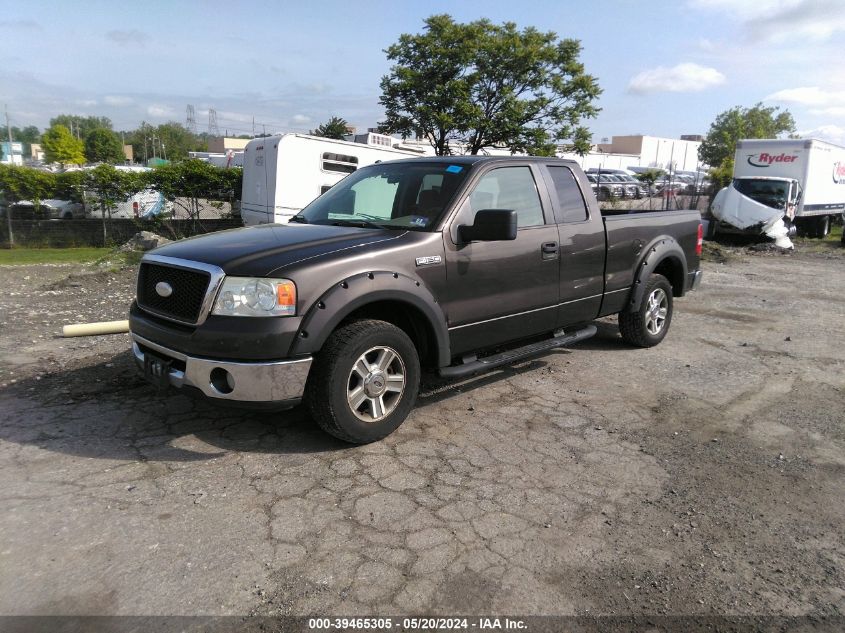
(70, 185)
(333, 128)
(103, 146)
(169, 140)
(24, 183)
(193, 179)
(61, 147)
(109, 186)
(81, 126)
(27, 136)
(738, 123)
(650, 176)
(488, 85)
(722, 175)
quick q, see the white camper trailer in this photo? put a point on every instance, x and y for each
(282, 174)
(781, 186)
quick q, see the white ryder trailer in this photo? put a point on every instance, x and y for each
(282, 174)
(781, 186)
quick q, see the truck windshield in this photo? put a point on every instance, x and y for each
(772, 193)
(406, 195)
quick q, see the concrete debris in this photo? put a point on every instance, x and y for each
(144, 241)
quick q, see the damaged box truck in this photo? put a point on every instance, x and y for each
(783, 187)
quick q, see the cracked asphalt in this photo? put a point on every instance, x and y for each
(703, 476)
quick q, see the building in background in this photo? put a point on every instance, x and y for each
(12, 153)
(222, 144)
(36, 153)
(653, 151)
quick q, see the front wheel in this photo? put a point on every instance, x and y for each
(648, 325)
(364, 381)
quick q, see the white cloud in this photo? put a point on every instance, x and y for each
(86, 103)
(685, 77)
(234, 116)
(835, 111)
(831, 133)
(808, 95)
(160, 111)
(781, 20)
(116, 100)
(299, 119)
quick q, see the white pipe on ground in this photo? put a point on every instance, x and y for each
(93, 329)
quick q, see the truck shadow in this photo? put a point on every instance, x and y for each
(107, 411)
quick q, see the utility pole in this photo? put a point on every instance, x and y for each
(11, 162)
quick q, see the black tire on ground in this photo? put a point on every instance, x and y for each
(648, 325)
(355, 365)
(822, 226)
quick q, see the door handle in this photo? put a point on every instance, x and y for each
(550, 247)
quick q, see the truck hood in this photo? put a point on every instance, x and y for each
(258, 250)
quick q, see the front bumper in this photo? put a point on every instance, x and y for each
(270, 382)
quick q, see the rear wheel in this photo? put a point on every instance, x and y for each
(822, 226)
(648, 325)
(364, 381)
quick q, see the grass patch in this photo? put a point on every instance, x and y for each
(116, 259)
(51, 255)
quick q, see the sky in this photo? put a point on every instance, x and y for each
(665, 68)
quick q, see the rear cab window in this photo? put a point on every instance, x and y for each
(571, 206)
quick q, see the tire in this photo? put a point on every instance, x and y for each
(822, 226)
(649, 324)
(370, 362)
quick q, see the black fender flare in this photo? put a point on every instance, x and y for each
(358, 290)
(658, 251)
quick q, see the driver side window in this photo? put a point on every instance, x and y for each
(511, 188)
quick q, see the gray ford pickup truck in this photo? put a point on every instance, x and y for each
(453, 264)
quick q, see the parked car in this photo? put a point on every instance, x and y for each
(457, 264)
(606, 189)
(638, 188)
(50, 209)
(631, 190)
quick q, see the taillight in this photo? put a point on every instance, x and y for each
(135, 208)
(699, 243)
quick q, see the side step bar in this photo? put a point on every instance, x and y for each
(513, 355)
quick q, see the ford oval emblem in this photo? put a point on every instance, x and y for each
(164, 289)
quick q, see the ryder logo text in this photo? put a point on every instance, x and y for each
(764, 159)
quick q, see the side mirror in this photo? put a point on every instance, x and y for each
(490, 225)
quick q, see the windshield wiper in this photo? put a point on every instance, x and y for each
(299, 219)
(359, 222)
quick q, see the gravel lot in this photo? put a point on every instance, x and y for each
(704, 476)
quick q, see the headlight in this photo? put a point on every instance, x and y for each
(255, 297)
